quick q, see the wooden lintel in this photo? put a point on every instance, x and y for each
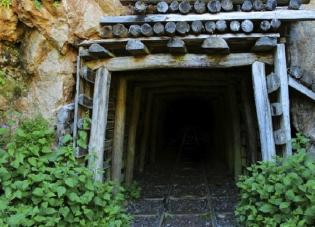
(189, 39)
(281, 14)
(301, 88)
(236, 2)
(166, 61)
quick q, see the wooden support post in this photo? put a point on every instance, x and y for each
(236, 131)
(263, 111)
(99, 122)
(283, 98)
(155, 122)
(249, 121)
(132, 135)
(119, 130)
(145, 134)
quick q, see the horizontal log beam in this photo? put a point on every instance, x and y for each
(237, 2)
(281, 14)
(165, 61)
(188, 39)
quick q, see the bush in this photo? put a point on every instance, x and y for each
(42, 186)
(279, 193)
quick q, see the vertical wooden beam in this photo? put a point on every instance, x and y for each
(283, 98)
(76, 102)
(268, 150)
(236, 131)
(146, 131)
(132, 134)
(154, 134)
(99, 122)
(119, 130)
(249, 121)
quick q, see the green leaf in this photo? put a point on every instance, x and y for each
(284, 205)
(38, 192)
(71, 182)
(61, 191)
(267, 208)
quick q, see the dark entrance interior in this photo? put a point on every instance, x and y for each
(191, 143)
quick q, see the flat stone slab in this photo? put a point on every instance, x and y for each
(224, 204)
(143, 206)
(187, 206)
(187, 221)
(226, 219)
(145, 221)
(180, 191)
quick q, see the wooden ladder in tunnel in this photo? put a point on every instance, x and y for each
(272, 106)
(91, 113)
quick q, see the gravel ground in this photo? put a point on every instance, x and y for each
(185, 193)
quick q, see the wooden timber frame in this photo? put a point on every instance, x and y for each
(96, 63)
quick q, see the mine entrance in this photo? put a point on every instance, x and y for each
(188, 145)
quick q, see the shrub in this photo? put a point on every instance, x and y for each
(279, 193)
(42, 186)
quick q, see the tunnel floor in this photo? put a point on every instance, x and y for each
(186, 190)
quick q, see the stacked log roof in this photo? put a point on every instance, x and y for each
(243, 25)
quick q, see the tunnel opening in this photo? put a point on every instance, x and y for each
(192, 141)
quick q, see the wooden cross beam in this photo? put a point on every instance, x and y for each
(281, 14)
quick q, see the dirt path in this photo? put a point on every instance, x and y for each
(188, 192)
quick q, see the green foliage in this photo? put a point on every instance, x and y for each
(133, 191)
(42, 186)
(5, 3)
(279, 193)
(300, 142)
(2, 76)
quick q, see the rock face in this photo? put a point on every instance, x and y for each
(301, 49)
(46, 37)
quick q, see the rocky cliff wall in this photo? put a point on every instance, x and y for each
(42, 43)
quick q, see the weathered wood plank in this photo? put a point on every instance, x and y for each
(215, 45)
(132, 133)
(145, 133)
(189, 39)
(263, 111)
(136, 47)
(301, 88)
(119, 130)
(281, 14)
(99, 122)
(283, 97)
(76, 101)
(273, 82)
(249, 121)
(85, 101)
(236, 2)
(276, 109)
(159, 61)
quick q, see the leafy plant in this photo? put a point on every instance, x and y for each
(279, 193)
(133, 191)
(42, 186)
(5, 3)
(300, 142)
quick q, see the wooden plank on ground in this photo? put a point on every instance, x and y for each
(283, 97)
(99, 122)
(281, 14)
(301, 88)
(119, 130)
(263, 111)
(166, 61)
